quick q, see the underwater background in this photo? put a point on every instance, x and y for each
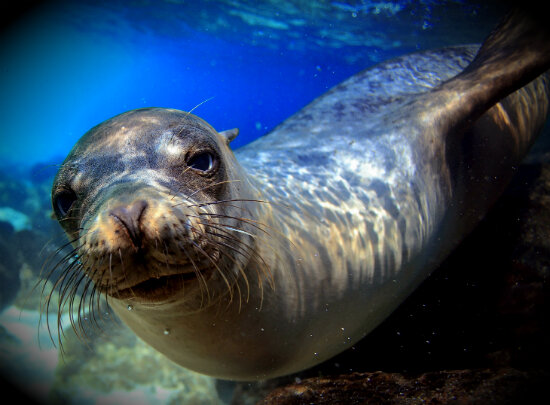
(67, 66)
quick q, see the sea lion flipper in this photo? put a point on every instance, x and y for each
(229, 134)
(515, 53)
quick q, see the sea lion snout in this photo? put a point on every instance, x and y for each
(129, 216)
(145, 243)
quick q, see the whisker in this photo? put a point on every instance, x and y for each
(230, 257)
(189, 113)
(67, 285)
(200, 277)
(174, 193)
(210, 186)
(49, 297)
(95, 289)
(256, 224)
(249, 254)
(204, 204)
(205, 254)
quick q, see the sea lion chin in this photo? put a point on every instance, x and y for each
(273, 259)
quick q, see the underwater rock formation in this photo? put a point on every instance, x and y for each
(473, 387)
(9, 264)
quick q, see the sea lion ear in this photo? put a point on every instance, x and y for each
(229, 134)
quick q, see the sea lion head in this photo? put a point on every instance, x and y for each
(152, 200)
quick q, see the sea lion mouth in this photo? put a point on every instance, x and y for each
(156, 289)
(145, 279)
(158, 281)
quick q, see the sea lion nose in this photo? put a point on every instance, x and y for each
(129, 216)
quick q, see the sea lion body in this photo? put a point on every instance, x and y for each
(284, 254)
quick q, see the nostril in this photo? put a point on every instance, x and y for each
(130, 217)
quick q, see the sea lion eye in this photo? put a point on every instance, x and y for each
(202, 161)
(63, 201)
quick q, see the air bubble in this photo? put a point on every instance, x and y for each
(130, 307)
(166, 331)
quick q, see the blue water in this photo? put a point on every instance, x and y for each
(68, 66)
(62, 80)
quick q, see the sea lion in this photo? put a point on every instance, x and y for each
(269, 260)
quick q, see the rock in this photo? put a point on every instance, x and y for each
(483, 387)
(9, 267)
(17, 219)
(6, 228)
